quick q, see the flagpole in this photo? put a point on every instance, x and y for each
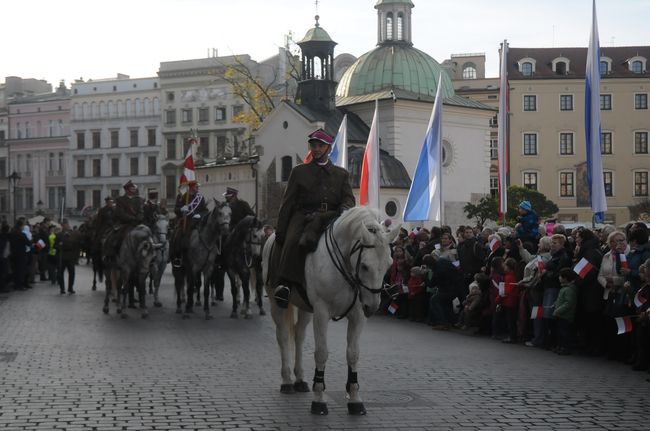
(502, 123)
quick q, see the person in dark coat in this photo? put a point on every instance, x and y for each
(151, 209)
(5, 251)
(550, 282)
(128, 214)
(471, 255)
(317, 193)
(105, 219)
(589, 317)
(239, 208)
(67, 245)
(19, 245)
(190, 208)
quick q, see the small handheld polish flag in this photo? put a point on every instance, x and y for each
(583, 267)
(540, 264)
(624, 324)
(537, 312)
(639, 299)
(494, 244)
(392, 308)
(624, 263)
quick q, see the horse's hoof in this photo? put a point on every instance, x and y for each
(301, 386)
(123, 315)
(186, 316)
(319, 408)
(105, 310)
(157, 304)
(234, 315)
(356, 409)
(248, 315)
(94, 288)
(179, 311)
(287, 388)
(262, 312)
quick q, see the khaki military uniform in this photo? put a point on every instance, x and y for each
(315, 195)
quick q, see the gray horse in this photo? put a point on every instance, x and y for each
(200, 256)
(131, 266)
(161, 240)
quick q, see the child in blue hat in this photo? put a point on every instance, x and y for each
(528, 223)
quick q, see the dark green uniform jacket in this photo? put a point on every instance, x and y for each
(128, 210)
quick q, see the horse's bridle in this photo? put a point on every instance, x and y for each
(339, 260)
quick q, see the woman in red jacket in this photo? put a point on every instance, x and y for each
(509, 300)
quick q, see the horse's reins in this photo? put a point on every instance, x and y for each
(353, 280)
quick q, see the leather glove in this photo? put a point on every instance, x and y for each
(184, 209)
(196, 216)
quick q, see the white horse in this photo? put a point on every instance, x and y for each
(161, 241)
(343, 279)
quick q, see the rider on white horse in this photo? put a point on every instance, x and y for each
(317, 192)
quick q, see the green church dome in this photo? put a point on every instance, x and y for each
(394, 66)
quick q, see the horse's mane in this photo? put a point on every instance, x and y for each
(361, 220)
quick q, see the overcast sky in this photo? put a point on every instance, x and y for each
(68, 39)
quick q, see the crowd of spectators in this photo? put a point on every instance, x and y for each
(38, 253)
(579, 291)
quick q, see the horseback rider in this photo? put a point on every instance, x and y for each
(190, 208)
(239, 207)
(128, 214)
(317, 193)
(151, 209)
(105, 219)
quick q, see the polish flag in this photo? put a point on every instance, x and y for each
(537, 312)
(639, 299)
(188, 165)
(494, 244)
(369, 181)
(392, 308)
(624, 324)
(624, 263)
(540, 264)
(583, 267)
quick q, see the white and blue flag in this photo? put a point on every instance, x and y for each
(339, 153)
(592, 125)
(424, 201)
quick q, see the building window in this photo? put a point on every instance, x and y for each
(566, 102)
(171, 149)
(400, 26)
(81, 199)
(494, 186)
(530, 103)
(81, 136)
(81, 168)
(527, 69)
(469, 71)
(605, 102)
(151, 165)
(637, 67)
(170, 117)
(566, 184)
(237, 109)
(286, 168)
(97, 168)
(389, 26)
(641, 101)
(3, 168)
(530, 144)
(115, 193)
(97, 139)
(220, 113)
(151, 137)
(115, 167)
(170, 186)
(133, 134)
(170, 96)
(115, 139)
(133, 161)
(530, 180)
(186, 116)
(566, 144)
(97, 198)
(606, 143)
(640, 142)
(560, 68)
(641, 183)
(221, 146)
(494, 149)
(28, 164)
(203, 115)
(604, 68)
(204, 145)
(609, 183)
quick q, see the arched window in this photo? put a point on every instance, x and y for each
(527, 69)
(604, 68)
(389, 26)
(637, 67)
(286, 168)
(560, 68)
(400, 26)
(469, 71)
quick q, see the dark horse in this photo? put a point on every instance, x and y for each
(238, 259)
(204, 245)
(91, 244)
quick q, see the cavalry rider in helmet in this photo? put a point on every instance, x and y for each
(317, 193)
(190, 209)
(128, 214)
(105, 220)
(239, 207)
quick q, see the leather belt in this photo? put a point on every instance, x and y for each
(321, 208)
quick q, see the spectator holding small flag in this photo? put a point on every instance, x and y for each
(564, 309)
(533, 289)
(639, 253)
(642, 327)
(509, 299)
(551, 286)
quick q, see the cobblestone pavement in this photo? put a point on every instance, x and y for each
(65, 365)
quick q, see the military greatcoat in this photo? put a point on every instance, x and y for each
(128, 210)
(315, 195)
(240, 209)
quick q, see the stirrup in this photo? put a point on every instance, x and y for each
(281, 296)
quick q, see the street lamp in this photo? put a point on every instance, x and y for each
(14, 178)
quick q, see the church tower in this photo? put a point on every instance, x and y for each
(394, 21)
(317, 87)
